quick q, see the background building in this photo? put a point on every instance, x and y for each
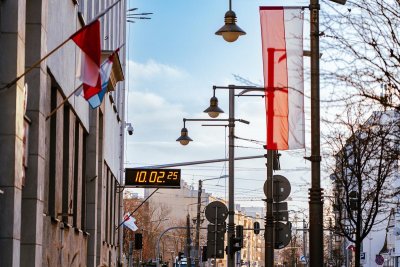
(60, 176)
(381, 240)
(176, 204)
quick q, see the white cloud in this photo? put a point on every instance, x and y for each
(153, 70)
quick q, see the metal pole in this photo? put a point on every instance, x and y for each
(196, 258)
(315, 193)
(188, 258)
(269, 220)
(231, 197)
(130, 253)
(304, 240)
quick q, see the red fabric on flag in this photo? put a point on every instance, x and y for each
(282, 65)
(88, 40)
(275, 77)
(89, 91)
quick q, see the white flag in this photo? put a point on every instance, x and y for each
(129, 222)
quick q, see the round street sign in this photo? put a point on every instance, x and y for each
(379, 259)
(283, 235)
(216, 212)
(281, 189)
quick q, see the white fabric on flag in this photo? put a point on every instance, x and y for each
(105, 72)
(282, 47)
(129, 222)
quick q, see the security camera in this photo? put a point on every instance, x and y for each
(130, 128)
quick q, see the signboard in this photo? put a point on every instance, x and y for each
(362, 257)
(379, 259)
(216, 212)
(283, 235)
(153, 178)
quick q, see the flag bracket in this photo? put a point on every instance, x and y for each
(313, 158)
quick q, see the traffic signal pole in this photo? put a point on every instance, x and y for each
(269, 220)
(196, 258)
(231, 197)
(188, 241)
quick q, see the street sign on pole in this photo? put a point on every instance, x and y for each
(283, 235)
(282, 188)
(220, 215)
(362, 257)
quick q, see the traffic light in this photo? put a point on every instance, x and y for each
(180, 255)
(138, 241)
(204, 254)
(236, 241)
(256, 227)
(215, 240)
(239, 236)
(276, 165)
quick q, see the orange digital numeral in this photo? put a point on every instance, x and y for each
(153, 177)
(140, 177)
(160, 176)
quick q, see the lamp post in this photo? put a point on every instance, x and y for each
(213, 112)
(315, 192)
(198, 220)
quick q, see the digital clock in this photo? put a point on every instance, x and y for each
(158, 178)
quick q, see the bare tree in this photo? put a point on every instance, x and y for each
(361, 51)
(366, 154)
(150, 221)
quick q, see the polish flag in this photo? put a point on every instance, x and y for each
(129, 222)
(88, 40)
(282, 49)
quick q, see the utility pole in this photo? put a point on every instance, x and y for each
(231, 196)
(269, 221)
(315, 193)
(196, 258)
(188, 241)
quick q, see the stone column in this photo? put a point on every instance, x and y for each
(92, 167)
(38, 106)
(12, 58)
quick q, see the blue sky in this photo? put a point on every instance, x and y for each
(174, 59)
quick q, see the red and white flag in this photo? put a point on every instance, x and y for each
(282, 49)
(88, 40)
(105, 72)
(129, 222)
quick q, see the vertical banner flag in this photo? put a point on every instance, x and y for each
(88, 40)
(282, 50)
(129, 222)
(105, 72)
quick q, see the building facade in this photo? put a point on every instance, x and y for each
(180, 202)
(59, 175)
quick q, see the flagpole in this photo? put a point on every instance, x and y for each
(130, 214)
(55, 49)
(33, 66)
(62, 103)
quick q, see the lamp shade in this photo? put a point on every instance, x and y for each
(213, 110)
(230, 31)
(184, 139)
